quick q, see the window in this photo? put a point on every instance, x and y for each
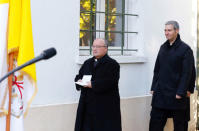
(113, 20)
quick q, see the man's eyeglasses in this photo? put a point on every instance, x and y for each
(98, 46)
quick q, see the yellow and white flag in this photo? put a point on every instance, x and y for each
(16, 37)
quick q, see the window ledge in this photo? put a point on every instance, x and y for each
(120, 59)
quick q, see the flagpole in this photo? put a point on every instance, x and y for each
(11, 62)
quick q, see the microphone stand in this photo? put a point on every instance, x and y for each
(38, 58)
(46, 54)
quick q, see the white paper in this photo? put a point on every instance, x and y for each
(85, 79)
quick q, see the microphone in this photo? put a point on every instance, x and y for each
(46, 54)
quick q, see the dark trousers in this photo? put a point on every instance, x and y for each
(159, 118)
(88, 124)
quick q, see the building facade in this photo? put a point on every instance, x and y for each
(135, 31)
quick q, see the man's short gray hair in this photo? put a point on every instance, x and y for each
(105, 41)
(174, 23)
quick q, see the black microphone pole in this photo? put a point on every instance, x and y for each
(45, 55)
(22, 66)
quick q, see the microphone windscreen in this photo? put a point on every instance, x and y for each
(48, 53)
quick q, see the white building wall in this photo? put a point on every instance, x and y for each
(56, 24)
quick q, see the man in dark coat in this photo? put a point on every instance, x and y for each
(173, 81)
(99, 104)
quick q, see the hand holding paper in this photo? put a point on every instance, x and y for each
(84, 81)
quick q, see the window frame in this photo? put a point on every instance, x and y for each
(92, 13)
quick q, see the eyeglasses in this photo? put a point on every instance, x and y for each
(98, 46)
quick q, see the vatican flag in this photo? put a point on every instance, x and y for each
(16, 38)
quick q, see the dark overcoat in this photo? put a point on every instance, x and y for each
(173, 74)
(102, 100)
